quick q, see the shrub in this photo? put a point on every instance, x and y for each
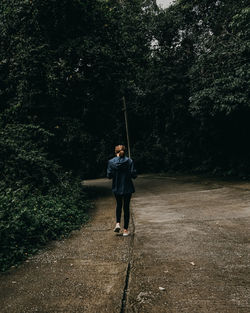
(38, 200)
(24, 159)
(30, 220)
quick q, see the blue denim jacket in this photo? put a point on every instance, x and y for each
(121, 170)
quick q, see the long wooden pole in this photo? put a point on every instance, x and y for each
(126, 123)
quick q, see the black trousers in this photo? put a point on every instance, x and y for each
(125, 200)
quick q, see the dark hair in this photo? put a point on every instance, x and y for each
(120, 149)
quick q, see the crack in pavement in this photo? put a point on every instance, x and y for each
(130, 262)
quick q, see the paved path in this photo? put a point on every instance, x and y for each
(84, 273)
(191, 237)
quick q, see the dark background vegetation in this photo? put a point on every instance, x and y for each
(64, 67)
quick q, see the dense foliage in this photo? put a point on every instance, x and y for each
(38, 200)
(30, 219)
(64, 68)
(197, 90)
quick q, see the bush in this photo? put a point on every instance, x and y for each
(28, 221)
(24, 159)
(38, 200)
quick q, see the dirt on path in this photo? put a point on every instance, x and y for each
(84, 273)
(189, 252)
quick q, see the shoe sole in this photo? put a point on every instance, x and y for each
(117, 229)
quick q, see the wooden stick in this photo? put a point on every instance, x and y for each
(126, 123)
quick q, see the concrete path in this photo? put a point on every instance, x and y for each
(84, 273)
(189, 252)
(192, 238)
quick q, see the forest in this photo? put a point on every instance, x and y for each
(65, 66)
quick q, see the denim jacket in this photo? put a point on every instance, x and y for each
(121, 170)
